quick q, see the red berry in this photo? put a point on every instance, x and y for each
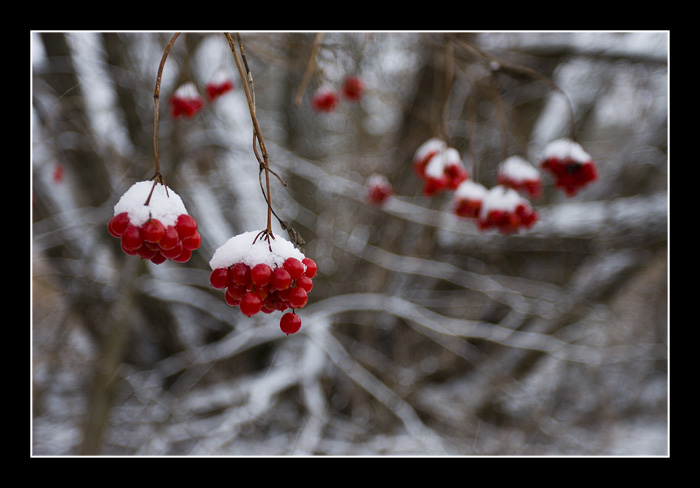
(219, 278)
(193, 242)
(183, 257)
(353, 88)
(186, 226)
(294, 267)
(153, 230)
(158, 258)
(260, 274)
(173, 252)
(305, 282)
(170, 238)
(281, 279)
(324, 100)
(250, 304)
(297, 297)
(239, 274)
(311, 267)
(290, 323)
(235, 292)
(131, 238)
(118, 224)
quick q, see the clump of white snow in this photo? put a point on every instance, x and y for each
(187, 91)
(566, 148)
(431, 145)
(163, 206)
(501, 198)
(470, 190)
(241, 249)
(519, 170)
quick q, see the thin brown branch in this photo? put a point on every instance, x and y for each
(310, 66)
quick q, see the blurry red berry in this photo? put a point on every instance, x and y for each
(353, 88)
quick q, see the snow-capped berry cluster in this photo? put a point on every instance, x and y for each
(505, 209)
(517, 173)
(326, 98)
(468, 199)
(570, 165)
(379, 190)
(439, 166)
(186, 101)
(257, 279)
(158, 231)
(219, 84)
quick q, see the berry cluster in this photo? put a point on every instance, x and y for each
(379, 190)
(257, 279)
(517, 173)
(158, 231)
(219, 84)
(439, 166)
(186, 100)
(468, 199)
(326, 98)
(571, 166)
(504, 209)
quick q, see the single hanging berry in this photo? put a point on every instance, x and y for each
(571, 166)
(325, 99)
(158, 231)
(353, 88)
(262, 276)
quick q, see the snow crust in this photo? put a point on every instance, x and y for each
(162, 206)
(566, 148)
(240, 249)
(518, 169)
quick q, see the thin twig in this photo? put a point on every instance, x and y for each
(310, 66)
(156, 96)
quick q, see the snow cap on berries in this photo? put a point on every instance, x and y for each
(518, 170)
(432, 145)
(500, 198)
(241, 249)
(566, 148)
(162, 206)
(470, 190)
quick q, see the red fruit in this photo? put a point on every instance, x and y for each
(290, 323)
(232, 299)
(239, 274)
(153, 230)
(294, 267)
(250, 304)
(235, 292)
(353, 88)
(170, 238)
(186, 226)
(193, 242)
(311, 267)
(297, 297)
(183, 257)
(324, 101)
(305, 282)
(219, 278)
(260, 274)
(131, 238)
(145, 253)
(158, 258)
(118, 224)
(216, 89)
(173, 252)
(281, 279)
